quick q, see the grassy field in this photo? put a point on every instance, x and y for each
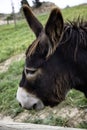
(14, 41)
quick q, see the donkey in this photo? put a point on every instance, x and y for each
(55, 62)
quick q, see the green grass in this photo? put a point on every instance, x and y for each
(75, 12)
(83, 125)
(8, 86)
(14, 41)
(49, 120)
(76, 98)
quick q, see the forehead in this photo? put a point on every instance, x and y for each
(32, 47)
(42, 39)
(43, 36)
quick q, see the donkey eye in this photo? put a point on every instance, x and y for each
(30, 70)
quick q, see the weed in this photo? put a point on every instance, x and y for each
(83, 125)
(49, 120)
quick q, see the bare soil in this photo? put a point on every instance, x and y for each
(72, 116)
(5, 65)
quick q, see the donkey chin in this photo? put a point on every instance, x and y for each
(28, 101)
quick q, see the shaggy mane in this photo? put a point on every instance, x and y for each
(75, 35)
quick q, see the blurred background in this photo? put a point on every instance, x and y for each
(6, 5)
(10, 7)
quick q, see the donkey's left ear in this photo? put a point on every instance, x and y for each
(33, 22)
(54, 27)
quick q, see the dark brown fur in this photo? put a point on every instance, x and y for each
(60, 53)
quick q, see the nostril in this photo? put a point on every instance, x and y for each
(35, 106)
(20, 105)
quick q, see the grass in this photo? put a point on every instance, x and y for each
(83, 125)
(14, 41)
(76, 98)
(75, 12)
(50, 120)
(8, 86)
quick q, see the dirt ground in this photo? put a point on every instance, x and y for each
(72, 116)
(5, 65)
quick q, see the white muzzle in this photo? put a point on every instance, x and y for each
(28, 101)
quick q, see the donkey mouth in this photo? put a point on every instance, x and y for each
(28, 101)
(37, 106)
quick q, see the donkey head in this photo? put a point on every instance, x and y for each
(46, 39)
(38, 53)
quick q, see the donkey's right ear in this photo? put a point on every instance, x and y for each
(33, 22)
(54, 27)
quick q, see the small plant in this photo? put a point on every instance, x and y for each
(83, 125)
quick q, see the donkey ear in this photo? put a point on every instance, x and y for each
(54, 27)
(34, 24)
